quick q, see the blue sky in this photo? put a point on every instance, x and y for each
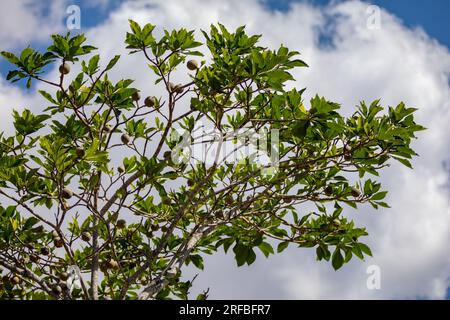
(350, 75)
(432, 15)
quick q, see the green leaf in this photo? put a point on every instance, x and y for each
(112, 63)
(10, 57)
(379, 196)
(25, 54)
(266, 249)
(382, 204)
(197, 260)
(276, 78)
(30, 223)
(241, 254)
(28, 123)
(251, 257)
(403, 161)
(201, 296)
(297, 63)
(337, 260)
(135, 27)
(357, 252)
(92, 66)
(282, 246)
(319, 253)
(47, 96)
(364, 248)
(300, 127)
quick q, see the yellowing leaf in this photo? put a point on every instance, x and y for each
(302, 108)
(14, 223)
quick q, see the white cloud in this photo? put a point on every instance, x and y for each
(394, 63)
(27, 21)
(23, 23)
(10, 98)
(103, 4)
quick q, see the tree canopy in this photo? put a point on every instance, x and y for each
(99, 198)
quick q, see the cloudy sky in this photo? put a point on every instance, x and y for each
(403, 56)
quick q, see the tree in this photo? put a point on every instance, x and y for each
(99, 198)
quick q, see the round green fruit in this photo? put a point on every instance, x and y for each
(15, 280)
(64, 205)
(178, 89)
(58, 242)
(355, 192)
(125, 138)
(80, 152)
(121, 223)
(108, 128)
(64, 276)
(64, 68)
(192, 65)
(328, 190)
(67, 193)
(86, 236)
(150, 101)
(136, 96)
